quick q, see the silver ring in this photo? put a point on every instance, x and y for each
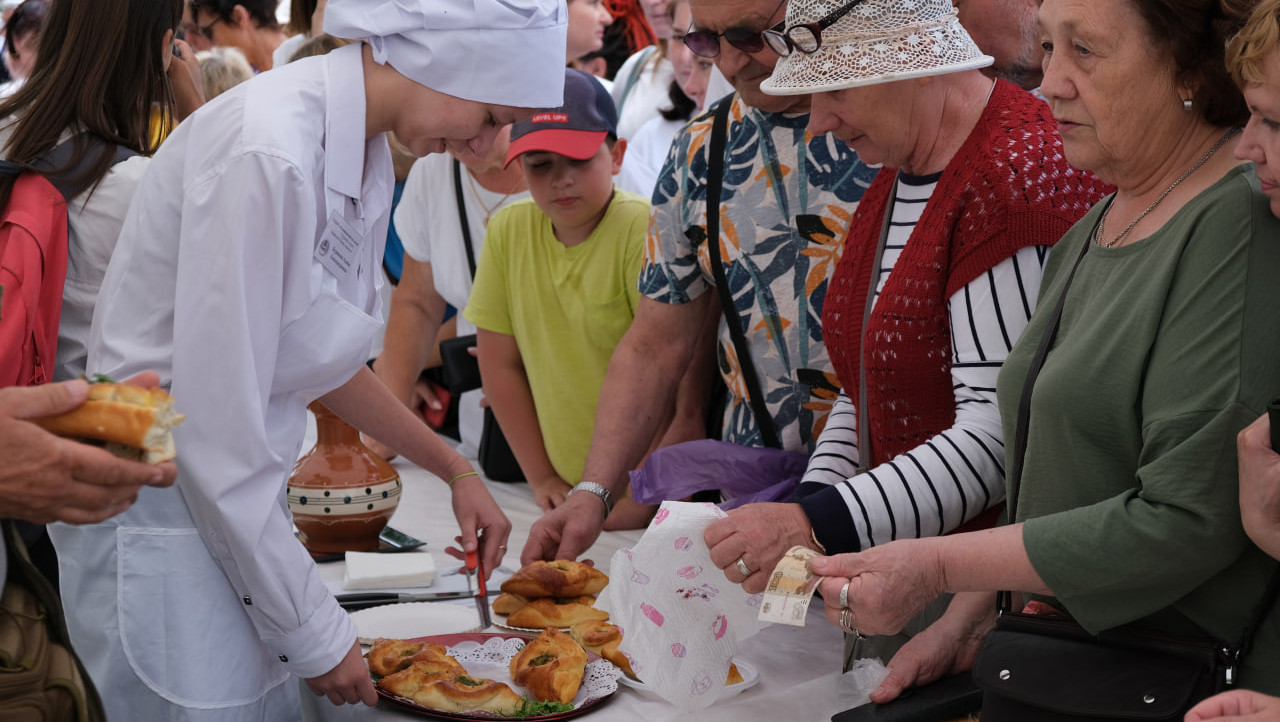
(503, 547)
(846, 621)
(844, 596)
(742, 567)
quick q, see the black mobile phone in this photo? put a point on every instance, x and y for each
(946, 699)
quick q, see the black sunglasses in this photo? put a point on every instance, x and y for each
(707, 44)
(805, 38)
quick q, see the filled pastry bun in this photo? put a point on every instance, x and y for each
(130, 421)
(561, 578)
(551, 666)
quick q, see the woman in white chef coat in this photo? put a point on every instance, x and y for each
(247, 274)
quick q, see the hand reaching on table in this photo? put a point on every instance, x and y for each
(948, 646)
(475, 509)
(758, 535)
(566, 531)
(549, 492)
(1240, 705)
(347, 683)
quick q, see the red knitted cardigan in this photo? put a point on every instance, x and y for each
(1008, 187)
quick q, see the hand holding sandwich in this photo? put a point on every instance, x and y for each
(47, 478)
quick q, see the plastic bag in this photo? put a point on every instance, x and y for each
(742, 474)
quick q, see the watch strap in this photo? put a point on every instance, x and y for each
(591, 487)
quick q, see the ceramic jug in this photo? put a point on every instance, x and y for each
(341, 494)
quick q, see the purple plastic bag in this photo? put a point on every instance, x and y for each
(742, 474)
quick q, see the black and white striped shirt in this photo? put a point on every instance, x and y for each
(957, 474)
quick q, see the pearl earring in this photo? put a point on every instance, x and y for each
(1186, 105)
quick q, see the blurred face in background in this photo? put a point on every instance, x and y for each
(691, 72)
(191, 32)
(655, 11)
(587, 21)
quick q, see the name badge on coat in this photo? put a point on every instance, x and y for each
(339, 247)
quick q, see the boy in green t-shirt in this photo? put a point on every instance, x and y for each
(555, 289)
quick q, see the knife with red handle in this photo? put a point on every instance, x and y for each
(482, 599)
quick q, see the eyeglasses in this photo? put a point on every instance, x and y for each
(207, 30)
(707, 44)
(805, 38)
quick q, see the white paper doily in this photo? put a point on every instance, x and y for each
(492, 660)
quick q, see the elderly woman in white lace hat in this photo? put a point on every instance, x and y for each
(939, 272)
(1154, 344)
(247, 274)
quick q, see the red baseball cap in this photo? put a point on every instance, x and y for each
(575, 129)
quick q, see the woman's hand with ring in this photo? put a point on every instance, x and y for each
(883, 587)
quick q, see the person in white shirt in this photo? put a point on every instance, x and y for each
(247, 274)
(437, 271)
(640, 85)
(649, 147)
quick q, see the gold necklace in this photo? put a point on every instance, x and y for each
(1098, 236)
(490, 210)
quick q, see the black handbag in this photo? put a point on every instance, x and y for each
(461, 370)
(496, 458)
(1050, 669)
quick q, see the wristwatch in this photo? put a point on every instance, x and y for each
(593, 488)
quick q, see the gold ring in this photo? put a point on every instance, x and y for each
(503, 547)
(844, 596)
(742, 567)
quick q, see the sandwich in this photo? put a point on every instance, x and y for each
(129, 421)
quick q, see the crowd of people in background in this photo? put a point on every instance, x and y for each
(996, 273)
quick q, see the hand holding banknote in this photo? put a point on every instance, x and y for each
(888, 584)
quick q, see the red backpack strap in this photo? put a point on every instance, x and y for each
(33, 269)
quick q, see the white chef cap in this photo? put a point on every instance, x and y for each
(506, 52)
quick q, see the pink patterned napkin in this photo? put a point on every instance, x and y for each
(682, 620)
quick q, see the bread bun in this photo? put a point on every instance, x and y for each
(541, 613)
(124, 415)
(507, 603)
(451, 691)
(550, 667)
(388, 656)
(602, 638)
(561, 578)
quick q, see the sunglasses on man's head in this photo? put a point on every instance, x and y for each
(707, 44)
(806, 37)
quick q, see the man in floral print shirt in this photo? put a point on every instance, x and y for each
(787, 200)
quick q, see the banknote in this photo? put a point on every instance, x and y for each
(791, 585)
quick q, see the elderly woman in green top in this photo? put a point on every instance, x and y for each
(1167, 348)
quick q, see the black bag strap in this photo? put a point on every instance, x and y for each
(462, 217)
(1004, 600)
(1013, 466)
(54, 164)
(715, 178)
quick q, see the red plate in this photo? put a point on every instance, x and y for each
(450, 640)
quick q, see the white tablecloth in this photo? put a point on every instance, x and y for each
(799, 666)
